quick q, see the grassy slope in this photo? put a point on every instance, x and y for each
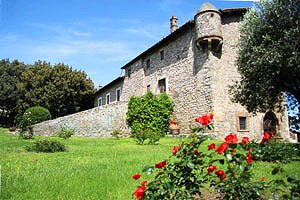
(93, 168)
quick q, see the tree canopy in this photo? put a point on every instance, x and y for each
(269, 55)
(59, 88)
(9, 95)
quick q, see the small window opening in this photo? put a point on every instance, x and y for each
(162, 85)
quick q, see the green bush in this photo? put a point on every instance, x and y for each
(275, 151)
(149, 113)
(47, 146)
(149, 135)
(30, 117)
(66, 132)
(116, 134)
(33, 116)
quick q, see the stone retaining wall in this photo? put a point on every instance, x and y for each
(96, 122)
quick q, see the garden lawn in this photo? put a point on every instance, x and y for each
(92, 168)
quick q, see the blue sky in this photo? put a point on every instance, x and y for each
(96, 36)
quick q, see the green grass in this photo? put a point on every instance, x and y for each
(92, 168)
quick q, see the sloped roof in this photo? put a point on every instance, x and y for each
(188, 25)
(207, 7)
(119, 79)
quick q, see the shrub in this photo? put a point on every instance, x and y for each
(149, 112)
(275, 151)
(47, 146)
(66, 132)
(30, 117)
(228, 168)
(35, 115)
(152, 136)
(116, 134)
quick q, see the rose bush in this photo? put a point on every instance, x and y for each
(227, 168)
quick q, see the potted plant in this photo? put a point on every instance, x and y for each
(174, 127)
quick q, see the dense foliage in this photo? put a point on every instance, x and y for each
(35, 115)
(59, 88)
(227, 169)
(275, 151)
(47, 146)
(66, 132)
(149, 113)
(9, 95)
(269, 55)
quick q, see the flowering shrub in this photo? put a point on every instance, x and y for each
(272, 150)
(31, 116)
(226, 167)
(233, 176)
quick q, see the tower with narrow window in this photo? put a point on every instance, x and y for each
(208, 27)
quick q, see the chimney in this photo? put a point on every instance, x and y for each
(173, 24)
(100, 86)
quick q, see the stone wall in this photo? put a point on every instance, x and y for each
(96, 122)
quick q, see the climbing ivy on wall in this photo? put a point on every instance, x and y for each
(149, 112)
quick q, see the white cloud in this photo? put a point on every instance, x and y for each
(152, 31)
(9, 37)
(60, 29)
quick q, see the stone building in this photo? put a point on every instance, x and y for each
(195, 65)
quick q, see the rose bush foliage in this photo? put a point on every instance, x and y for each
(226, 168)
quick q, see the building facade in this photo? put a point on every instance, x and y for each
(195, 65)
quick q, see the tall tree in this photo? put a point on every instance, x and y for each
(58, 88)
(9, 95)
(269, 55)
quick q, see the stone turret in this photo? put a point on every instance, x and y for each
(173, 24)
(208, 27)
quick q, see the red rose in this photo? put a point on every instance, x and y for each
(211, 168)
(263, 178)
(222, 148)
(249, 156)
(231, 138)
(211, 146)
(140, 191)
(160, 164)
(266, 137)
(174, 150)
(204, 119)
(245, 140)
(136, 176)
(144, 183)
(220, 173)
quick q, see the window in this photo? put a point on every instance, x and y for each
(242, 121)
(162, 85)
(107, 98)
(99, 101)
(148, 88)
(148, 64)
(243, 124)
(162, 55)
(118, 94)
(128, 72)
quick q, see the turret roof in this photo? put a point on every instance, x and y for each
(207, 7)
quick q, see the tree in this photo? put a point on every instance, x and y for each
(269, 55)
(58, 88)
(9, 95)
